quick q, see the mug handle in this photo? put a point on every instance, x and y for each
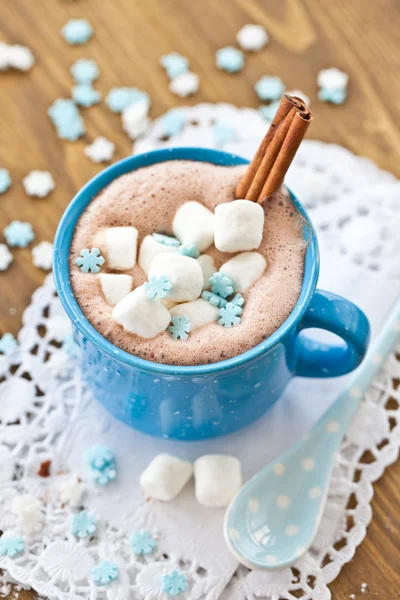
(340, 316)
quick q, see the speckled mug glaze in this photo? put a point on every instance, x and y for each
(200, 402)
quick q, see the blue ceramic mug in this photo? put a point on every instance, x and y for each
(199, 402)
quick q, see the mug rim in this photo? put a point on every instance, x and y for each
(87, 193)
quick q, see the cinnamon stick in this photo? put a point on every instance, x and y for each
(275, 149)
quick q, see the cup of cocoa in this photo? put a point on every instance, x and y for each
(188, 275)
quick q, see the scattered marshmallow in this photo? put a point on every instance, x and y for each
(238, 226)
(208, 267)
(101, 150)
(135, 120)
(38, 183)
(199, 312)
(165, 477)
(115, 287)
(244, 269)
(149, 249)
(185, 85)
(72, 491)
(332, 79)
(15, 57)
(42, 256)
(252, 37)
(194, 224)
(183, 272)
(27, 509)
(6, 257)
(140, 315)
(217, 479)
(119, 244)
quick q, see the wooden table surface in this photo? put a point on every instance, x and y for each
(362, 38)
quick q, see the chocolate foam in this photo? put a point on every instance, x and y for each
(148, 199)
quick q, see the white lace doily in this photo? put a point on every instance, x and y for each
(47, 414)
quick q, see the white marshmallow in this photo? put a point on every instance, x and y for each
(150, 249)
(115, 287)
(238, 226)
(140, 315)
(208, 267)
(119, 245)
(194, 224)
(199, 312)
(244, 269)
(217, 479)
(183, 272)
(165, 477)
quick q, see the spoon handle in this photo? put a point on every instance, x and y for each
(347, 402)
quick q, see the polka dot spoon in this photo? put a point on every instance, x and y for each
(274, 518)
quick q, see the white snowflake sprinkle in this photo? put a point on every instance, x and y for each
(72, 491)
(300, 95)
(101, 150)
(21, 58)
(59, 364)
(135, 120)
(252, 37)
(38, 183)
(16, 57)
(332, 79)
(185, 85)
(28, 512)
(6, 257)
(42, 256)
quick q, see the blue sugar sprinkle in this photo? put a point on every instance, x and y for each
(119, 98)
(5, 180)
(190, 250)
(167, 240)
(19, 234)
(214, 299)
(85, 70)
(230, 59)
(84, 95)
(269, 88)
(77, 31)
(174, 64)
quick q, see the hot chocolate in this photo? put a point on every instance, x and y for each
(139, 210)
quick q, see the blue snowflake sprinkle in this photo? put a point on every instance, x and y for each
(214, 299)
(8, 344)
(332, 96)
(173, 122)
(142, 543)
(90, 261)
(221, 285)
(85, 95)
(104, 573)
(269, 112)
(66, 119)
(174, 583)
(229, 315)
(5, 180)
(83, 524)
(85, 70)
(223, 133)
(77, 31)
(180, 327)
(174, 64)
(269, 88)
(230, 59)
(69, 345)
(19, 234)
(166, 240)
(99, 457)
(157, 287)
(104, 477)
(237, 300)
(11, 546)
(190, 250)
(119, 98)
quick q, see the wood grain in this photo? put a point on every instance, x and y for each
(360, 37)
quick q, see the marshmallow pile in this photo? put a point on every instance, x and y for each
(217, 478)
(184, 290)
